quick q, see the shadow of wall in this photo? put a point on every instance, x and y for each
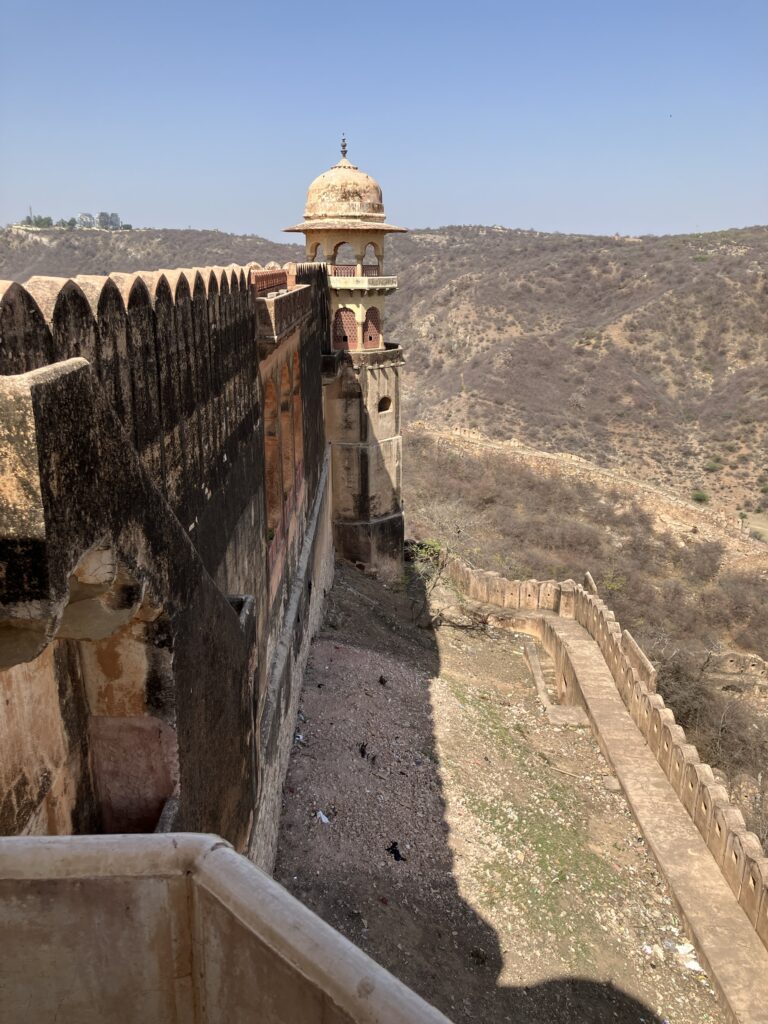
(409, 914)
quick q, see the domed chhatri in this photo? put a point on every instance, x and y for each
(344, 191)
(345, 228)
(344, 198)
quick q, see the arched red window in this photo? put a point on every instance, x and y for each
(344, 329)
(372, 329)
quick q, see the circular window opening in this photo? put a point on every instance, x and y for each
(385, 404)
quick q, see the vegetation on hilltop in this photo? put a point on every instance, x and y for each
(67, 253)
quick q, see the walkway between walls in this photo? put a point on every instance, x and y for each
(727, 944)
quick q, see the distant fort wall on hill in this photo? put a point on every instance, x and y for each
(165, 545)
(564, 464)
(592, 665)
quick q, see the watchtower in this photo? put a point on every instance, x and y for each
(345, 212)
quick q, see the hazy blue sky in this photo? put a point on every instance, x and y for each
(584, 115)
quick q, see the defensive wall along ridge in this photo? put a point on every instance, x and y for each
(660, 502)
(165, 546)
(716, 869)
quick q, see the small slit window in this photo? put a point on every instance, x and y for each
(385, 404)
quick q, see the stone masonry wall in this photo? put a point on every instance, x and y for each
(141, 615)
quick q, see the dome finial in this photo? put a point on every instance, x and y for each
(343, 146)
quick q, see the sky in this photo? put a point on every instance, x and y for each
(630, 116)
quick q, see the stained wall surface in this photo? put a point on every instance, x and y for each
(145, 594)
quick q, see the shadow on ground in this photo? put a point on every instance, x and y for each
(382, 870)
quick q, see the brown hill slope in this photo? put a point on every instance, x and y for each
(651, 354)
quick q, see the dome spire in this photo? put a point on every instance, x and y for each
(343, 146)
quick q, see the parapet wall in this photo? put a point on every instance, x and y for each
(737, 852)
(175, 928)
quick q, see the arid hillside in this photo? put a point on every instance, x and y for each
(649, 354)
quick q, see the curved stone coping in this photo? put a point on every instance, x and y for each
(236, 941)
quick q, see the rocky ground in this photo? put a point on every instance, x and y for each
(484, 856)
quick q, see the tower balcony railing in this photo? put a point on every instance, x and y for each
(350, 270)
(347, 278)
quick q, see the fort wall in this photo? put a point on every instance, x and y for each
(544, 606)
(164, 539)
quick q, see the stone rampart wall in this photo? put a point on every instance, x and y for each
(737, 852)
(143, 602)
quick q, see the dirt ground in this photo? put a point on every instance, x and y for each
(434, 816)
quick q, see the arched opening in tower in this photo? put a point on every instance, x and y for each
(372, 329)
(344, 329)
(371, 261)
(344, 255)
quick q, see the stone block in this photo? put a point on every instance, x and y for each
(638, 660)
(659, 715)
(761, 923)
(511, 594)
(567, 599)
(647, 705)
(636, 695)
(529, 594)
(549, 596)
(670, 734)
(695, 774)
(495, 584)
(683, 754)
(710, 795)
(478, 587)
(726, 820)
(754, 886)
(741, 849)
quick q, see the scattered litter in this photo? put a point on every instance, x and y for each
(298, 738)
(394, 849)
(382, 680)
(302, 716)
(694, 965)
(363, 749)
(685, 949)
(322, 818)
